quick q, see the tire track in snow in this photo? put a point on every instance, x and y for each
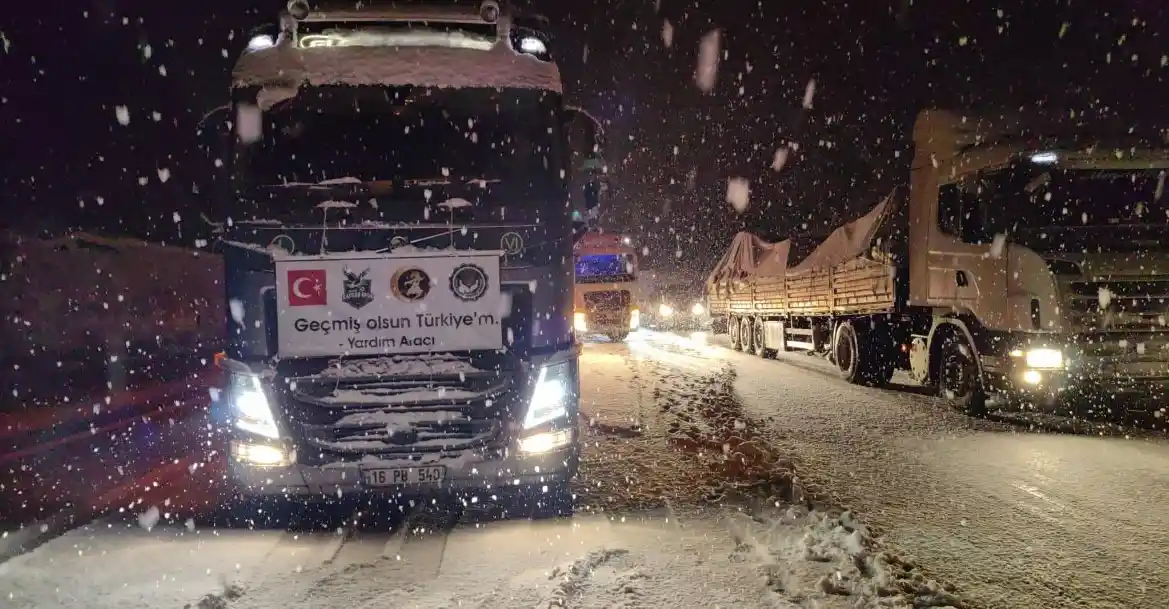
(576, 576)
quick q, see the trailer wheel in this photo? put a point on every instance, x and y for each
(959, 379)
(846, 353)
(733, 328)
(758, 340)
(746, 335)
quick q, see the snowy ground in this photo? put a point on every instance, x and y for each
(1013, 515)
(681, 505)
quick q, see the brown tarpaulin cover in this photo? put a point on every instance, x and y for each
(846, 243)
(751, 256)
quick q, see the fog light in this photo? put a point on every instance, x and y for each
(545, 442)
(579, 323)
(261, 455)
(1032, 377)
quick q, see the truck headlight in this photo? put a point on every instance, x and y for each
(665, 310)
(1044, 359)
(697, 309)
(634, 319)
(551, 396)
(579, 322)
(250, 406)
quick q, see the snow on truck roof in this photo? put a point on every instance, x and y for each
(499, 67)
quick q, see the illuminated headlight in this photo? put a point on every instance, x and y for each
(698, 309)
(551, 396)
(1044, 359)
(634, 319)
(579, 322)
(665, 310)
(250, 407)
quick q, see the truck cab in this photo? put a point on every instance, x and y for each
(606, 291)
(397, 257)
(1042, 251)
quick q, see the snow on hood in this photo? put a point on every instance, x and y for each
(455, 203)
(500, 67)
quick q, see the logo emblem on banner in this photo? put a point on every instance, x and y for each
(358, 290)
(410, 284)
(468, 282)
(306, 288)
(512, 243)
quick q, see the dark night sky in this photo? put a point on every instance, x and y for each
(66, 65)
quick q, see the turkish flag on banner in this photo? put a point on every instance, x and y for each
(306, 288)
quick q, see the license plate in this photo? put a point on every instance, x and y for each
(394, 476)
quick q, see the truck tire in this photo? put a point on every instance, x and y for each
(846, 353)
(733, 329)
(859, 358)
(959, 379)
(758, 339)
(746, 335)
(618, 337)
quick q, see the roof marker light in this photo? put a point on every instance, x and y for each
(1044, 158)
(261, 42)
(533, 46)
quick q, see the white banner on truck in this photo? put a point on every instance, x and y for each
(367, 303)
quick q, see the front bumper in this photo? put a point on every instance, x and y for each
(1085, 383)
(465, 475)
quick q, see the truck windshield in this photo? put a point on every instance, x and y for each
(604, 268)
(1076, 210)
(491, 148)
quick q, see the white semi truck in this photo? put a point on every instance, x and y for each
(398, 257)
(1024, 260)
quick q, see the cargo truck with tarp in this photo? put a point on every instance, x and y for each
(398, 257)
(1026, 260)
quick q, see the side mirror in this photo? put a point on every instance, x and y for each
(588, 182)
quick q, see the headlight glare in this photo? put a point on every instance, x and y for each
(665, 310)
(250, 406)
(579, 322)
(697, 309)
(1044, 359)
(550, 397)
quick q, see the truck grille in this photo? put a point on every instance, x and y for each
(1118, 305)
(607, 300)
(397, 406)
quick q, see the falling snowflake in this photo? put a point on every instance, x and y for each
(738, 193)
(706, 73)
(249, 124)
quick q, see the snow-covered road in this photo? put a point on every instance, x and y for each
(677, 508)
(1013, 517)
